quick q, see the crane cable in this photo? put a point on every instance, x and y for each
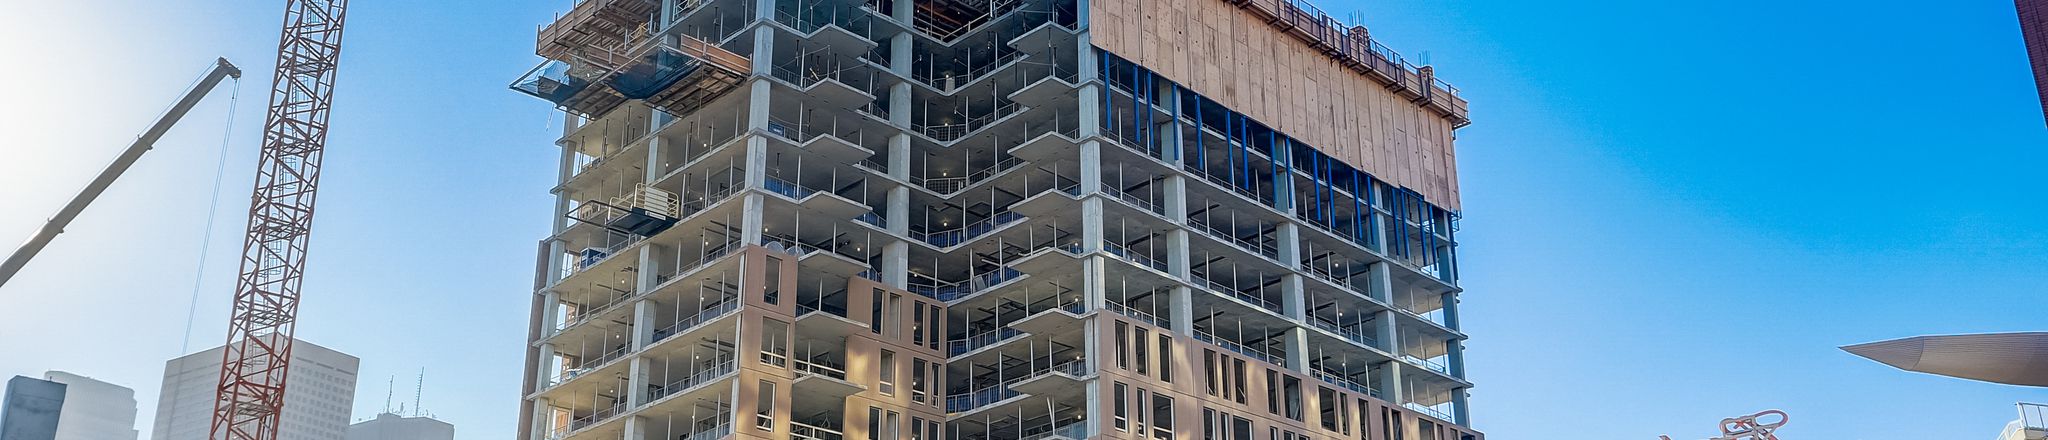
(212, 205)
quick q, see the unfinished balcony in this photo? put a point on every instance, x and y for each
(1432, 397)
(821, 385)
(693, 370)
(595, 29)
(1221, 229)
(1258, 337)
(1254, 290)
(1049, 311)
(608, 149)
(1347, 318)
(1015, 377)
(1424, 302)
(678, 74)
(587, 416)
(1358, 376)
(1429, 350)
(692, 306)
(702, 420)
(1049, 420)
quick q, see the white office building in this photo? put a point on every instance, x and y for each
(94, 410)
(320, 391)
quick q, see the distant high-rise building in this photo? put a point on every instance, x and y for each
(31, 409)
(2034, 27)
(94, 410)
(321, 388)
(388, 426)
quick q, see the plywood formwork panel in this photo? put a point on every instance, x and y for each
(1235, 58)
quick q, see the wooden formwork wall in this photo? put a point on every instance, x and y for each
(1237, 59)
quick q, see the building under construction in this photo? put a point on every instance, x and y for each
(993, 219)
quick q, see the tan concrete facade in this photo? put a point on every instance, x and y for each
(1228, 53)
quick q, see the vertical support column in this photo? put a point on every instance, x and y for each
(1390, 335)
(1177, 259)
(1091, 333)
(1450, 305)
(541, 408)
(1459, 413)
(551, 308)
(1183, 314)
(643, 324)
(1094, 286)
(546, 371)
(1296, 343)
(1455, 356)
(637, 371)
(896, 264)
(654, 167)
(752, 215)
(1288, 234)
(1092, 234)
(636, 426)
(1391, 388)
(1380, 281)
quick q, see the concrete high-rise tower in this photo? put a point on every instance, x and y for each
(1004, 220)
(322, 384)
(94, 410)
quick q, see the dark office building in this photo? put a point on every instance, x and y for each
(30, 409)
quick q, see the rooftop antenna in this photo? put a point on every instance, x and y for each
(416, 387)
(388, 382)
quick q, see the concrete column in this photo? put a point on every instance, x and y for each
(1455, 356)
(1092, 233)
(643, 323)
(1176, 188)
(647, 274)
(1091, 339)
(751, 216)
(546, 368)
(1177, 258)
(1094, 286)
(1390, 336)
(1091, 167)
(896, 264)
(1090, 114)
(1289, 236)
(652, 171)
(543, 411)
(1183, 314)
(551, 308)
(1459, 410)
(1450, 304)
(636, 426)
(764, 10)
(1389, 380)
(900, 53)
(637, 370)
(1380, 281)
(901, 11)
(1296, 342)
(1294, 298)
(898, 211)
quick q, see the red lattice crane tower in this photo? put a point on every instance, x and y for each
(259, 348)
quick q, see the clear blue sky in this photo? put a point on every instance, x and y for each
(1674, 212)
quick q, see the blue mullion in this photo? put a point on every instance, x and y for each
(1199, 136)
